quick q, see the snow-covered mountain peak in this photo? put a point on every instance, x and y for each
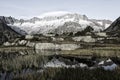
(50, 22)
(61, 15)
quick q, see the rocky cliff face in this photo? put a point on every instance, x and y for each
(114, 27)
(6, 33)
(8, 20)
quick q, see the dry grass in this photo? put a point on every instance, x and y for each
(98, 51)
(22, 62)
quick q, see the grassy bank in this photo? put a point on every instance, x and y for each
(18, 63)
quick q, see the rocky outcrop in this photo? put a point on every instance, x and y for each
(30, 44)
(7, 44)
(22, 42)
(84, 39)
(29, 37)
(18, 43)
(68, 27)
(101, 34)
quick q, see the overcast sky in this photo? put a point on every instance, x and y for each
(98, 9)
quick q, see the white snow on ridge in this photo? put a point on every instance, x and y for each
(100, 22)
(42, 25)
(51, 21)
(107, 25)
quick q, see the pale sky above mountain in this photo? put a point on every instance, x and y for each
(98, 9)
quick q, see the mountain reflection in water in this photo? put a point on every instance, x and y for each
(22, 62)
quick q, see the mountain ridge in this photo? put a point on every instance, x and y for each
(49, 23)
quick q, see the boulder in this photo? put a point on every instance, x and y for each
(29, 37)
(101, 34)
(22, 42)
(30, 44)
(84, 39)
(7, 44)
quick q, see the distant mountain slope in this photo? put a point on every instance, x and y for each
(104, 23)
(114, 27)
(56, 22)
(10, 21)
(6, 32)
